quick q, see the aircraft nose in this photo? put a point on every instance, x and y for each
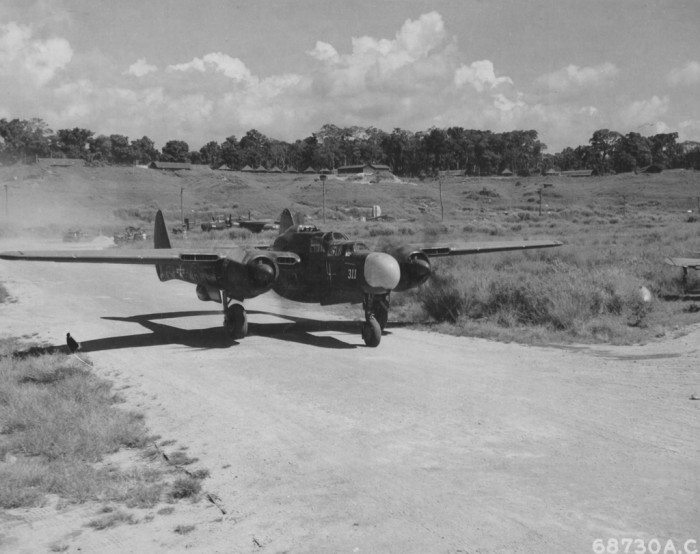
(382, 272)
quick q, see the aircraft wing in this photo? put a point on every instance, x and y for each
(142, 256)
(485, 247)
(693, 263)
(146, 256)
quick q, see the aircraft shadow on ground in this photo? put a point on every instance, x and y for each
(294, 329)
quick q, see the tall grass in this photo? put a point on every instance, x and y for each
(589, 290)
(56, 420)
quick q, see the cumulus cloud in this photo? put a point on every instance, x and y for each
(481, 75)
(645, 112)
(233, 68)
(323, 52)
(140, 68)
(689, 74)
(375, 63)
(575, 77)
(23, 55)
(689, 130)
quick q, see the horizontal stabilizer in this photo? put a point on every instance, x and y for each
(693, 263)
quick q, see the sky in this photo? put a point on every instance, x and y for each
(204, 70)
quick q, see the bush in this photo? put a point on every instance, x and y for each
(185, 487)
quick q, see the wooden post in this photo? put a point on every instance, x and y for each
(323, 182)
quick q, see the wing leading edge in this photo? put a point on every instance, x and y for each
(151, 256)
(145, 256)
(485, 247)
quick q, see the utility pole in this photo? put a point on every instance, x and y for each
(7, 210)
(539, 191)
(182, 214)
(323, 182)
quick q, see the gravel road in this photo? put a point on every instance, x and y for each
(315, 443)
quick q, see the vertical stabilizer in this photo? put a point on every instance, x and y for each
(160, 240)
(286, 220)
(160, 233)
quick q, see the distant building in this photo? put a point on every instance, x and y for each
(60, 162)
(310, 170)
(275, 169)
(260, 169)
(170, 166)
(506, 173)
(577, 173)
(247, 168)
(367, 169)
(452, 173)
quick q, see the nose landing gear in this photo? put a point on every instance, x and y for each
(376, 317)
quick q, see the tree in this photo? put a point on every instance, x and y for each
(122, 151)
(175, 151)
(101, 148)
(210, 154)
(144, 150)
(24, 139)
(255, 148)
(632, 151)
(665, 151)
(73, 143)
(603, 144)
(230, 153)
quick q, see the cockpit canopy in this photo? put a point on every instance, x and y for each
(347, 248)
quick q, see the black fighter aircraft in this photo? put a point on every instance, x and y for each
(303, 264)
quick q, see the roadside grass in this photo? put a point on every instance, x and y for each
(58, 422)
(586, 291)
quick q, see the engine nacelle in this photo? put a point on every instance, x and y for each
(251, 278)
(415, 267)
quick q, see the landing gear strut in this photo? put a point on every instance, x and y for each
(376, 316)
(235, 319)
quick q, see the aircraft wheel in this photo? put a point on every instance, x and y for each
(371, 332)
(236, 322)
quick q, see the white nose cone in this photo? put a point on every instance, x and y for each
(382, 272)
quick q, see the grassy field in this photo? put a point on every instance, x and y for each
(617, 231)
(59, 423)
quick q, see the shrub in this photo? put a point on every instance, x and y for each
(185, 487)
(441, 300)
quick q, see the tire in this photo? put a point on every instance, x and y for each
(371, 332)
(236, 322)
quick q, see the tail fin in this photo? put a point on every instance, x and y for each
(160, 233)
(286, 220)
(160, 240)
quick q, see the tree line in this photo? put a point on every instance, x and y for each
(415, 154)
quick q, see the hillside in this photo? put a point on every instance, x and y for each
(107, 198)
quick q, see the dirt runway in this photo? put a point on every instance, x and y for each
(315, 443)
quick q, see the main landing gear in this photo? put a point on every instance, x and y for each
(235, 318)
(376, 317)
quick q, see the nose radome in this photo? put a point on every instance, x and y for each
(382, 272)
